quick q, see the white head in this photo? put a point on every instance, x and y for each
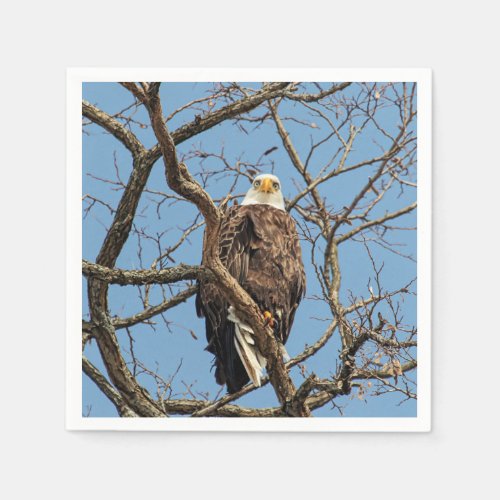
(266, 189)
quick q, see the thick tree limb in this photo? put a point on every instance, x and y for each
(113, 126)
(108, 390)
(196, 408)
(144, 276)
(133, 394)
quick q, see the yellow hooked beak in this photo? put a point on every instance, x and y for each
(266, 186)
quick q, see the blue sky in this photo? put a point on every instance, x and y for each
(164, 348)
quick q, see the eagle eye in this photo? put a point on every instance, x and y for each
(256, 184)
(276, 186)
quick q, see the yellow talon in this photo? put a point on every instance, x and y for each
(268, 319)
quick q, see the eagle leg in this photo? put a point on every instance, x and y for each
(275, 324)
(269, 319)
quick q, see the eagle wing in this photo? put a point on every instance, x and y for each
(234, 252)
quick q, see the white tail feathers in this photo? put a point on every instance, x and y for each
(244, 340)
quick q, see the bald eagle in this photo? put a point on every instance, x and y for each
(260, 247)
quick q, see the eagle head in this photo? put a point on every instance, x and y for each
(266, 190)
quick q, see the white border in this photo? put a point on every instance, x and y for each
(74, 419)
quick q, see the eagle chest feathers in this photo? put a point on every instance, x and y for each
(259, 246)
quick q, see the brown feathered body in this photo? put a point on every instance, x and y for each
(259, 246)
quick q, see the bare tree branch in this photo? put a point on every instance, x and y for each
(144, 276)
(127, 138)
(150, 312)
(376, 222)
(319, 95)
(98, 378)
